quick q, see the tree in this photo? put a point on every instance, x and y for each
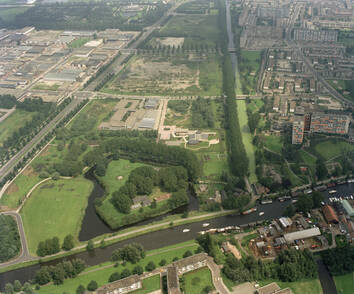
(138, 270)
(27, 288)
(17, 286)
(125, 273)
(317, 198)
(9, 289)
(80, 289)
(150, 266)
(290, 210)
(92, 286)
(162, 262)
(305, 203)
(102, 243)
(321, 169)
(90, 245)
(187, 254)
(114, 277)
(178, 199)
(122, 202)
(68, 243)
(42, 276)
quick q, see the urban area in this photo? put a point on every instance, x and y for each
(177, 146)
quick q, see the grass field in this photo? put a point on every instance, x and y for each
(9, 14)
(196, 281)
(43, 86)
(55, 208)
(312, 286)
(274, 143)
(196, 29)
(330, 148)
(100, 273)
(77, 43)
(249, 64)
(14, 122)
(247, 138)
(345, 283)
(214, 164)
(149, 285)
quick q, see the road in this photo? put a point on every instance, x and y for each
(318, 77)
(116, 66)
(25, 255)
(9, 166)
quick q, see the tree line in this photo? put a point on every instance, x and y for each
(202, 114)
(10, 242)
(52, 245)
(340, 260)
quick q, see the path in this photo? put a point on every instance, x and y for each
(25, 255)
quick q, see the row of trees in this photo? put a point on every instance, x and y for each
(7, 101)
(17, 287)
(289, 266)
(339, 261)
(10, 243)
(52, 245)
(58, 273)
(202, 114)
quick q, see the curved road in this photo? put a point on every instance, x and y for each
(25, 255)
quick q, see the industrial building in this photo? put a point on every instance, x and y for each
(305, 234)
(348, 208)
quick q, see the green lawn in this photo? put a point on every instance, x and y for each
(214, 164)
(14, 122)
(247, 138)
(331, 148)
(312, 286)
(42, 86)
(249, 64)
(55, 208)
(196, 29)
(210, 77)
(100, 273)
(196, 281)
(77, 43)
(149, 285)
(345, 283)
(274, 143)
(344, 87)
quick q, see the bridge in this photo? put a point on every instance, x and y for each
(232, 50)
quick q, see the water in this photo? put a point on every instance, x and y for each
(93, 226)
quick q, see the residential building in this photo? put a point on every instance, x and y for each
(298, 130)
(329, 123)
(122, 286)
(173, 281)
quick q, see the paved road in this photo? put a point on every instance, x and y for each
(116, 66)
(217, 280)
(25, 255)
(9, 166)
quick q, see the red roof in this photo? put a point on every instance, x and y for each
(330, 214)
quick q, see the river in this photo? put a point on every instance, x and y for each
(169, 236)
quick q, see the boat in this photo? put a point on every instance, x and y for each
(268, 201)
(186, 230)
(261, 213)
(205, 225)
(249, 211)
(331, 185)
(332, 192)
(351, 181)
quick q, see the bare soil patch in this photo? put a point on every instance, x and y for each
(12, 189)
(29, 172)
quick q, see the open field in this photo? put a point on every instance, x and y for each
(77, 43)
(47, 86)
(198, 30)
(300, 287)
(196, 281)
(330, 148)
(174, 75)
(149, 285)
(214, 164)
(274, 143)
(14, 122)
(100, 273)
(249, 64)
(247, 138)
(345, 283)
(55, 208)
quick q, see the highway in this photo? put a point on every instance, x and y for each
(9, 166)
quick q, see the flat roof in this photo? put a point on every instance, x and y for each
(269, 289)
(291, 237)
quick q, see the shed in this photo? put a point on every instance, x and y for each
(330, 215)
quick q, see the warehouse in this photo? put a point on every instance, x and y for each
(305, 234)
(348, 208)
